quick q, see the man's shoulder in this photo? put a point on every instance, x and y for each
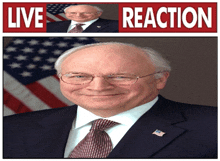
(58, 22)
(107, 21)
(190, 107)
(190, 110)
(58, 26)
(35, 116)
(103, 25)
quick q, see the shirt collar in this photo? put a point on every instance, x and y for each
(86, 23)
(127, 118)
(84, 117)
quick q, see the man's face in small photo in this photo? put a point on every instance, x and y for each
(82, 13)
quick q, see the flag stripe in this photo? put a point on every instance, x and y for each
(61, 17)
(50, 20)
(8, 111)
(53, 85)
(21, 93)
(53, 17)
(55, 76)
(14, 104)
(47, 97)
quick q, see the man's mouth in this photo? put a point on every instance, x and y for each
(102, 95)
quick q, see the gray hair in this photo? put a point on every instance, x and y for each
(97, 8)
(161, 64)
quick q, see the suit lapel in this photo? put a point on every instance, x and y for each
(49, 140)
(63, 26)
(139, 142)
(98, 25)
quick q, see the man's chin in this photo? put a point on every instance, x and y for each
(80, 20)
(101, 104)
(101, 107)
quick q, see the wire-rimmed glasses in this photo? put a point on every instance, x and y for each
(114, 79)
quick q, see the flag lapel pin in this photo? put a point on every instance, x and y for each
(158, 133)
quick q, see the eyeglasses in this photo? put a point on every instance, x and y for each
(82, 13)
(114, 79)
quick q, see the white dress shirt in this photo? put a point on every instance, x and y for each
(83, 122)
(86, 24)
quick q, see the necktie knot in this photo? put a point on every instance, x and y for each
(79, 24)
(102, 124)
(77, 29)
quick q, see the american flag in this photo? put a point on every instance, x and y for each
(55, 12)
(158, 133)
(30, 81)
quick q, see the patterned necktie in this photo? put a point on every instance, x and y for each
(77, 29)
(97, 143)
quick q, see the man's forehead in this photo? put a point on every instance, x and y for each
(81, 7)
(118, 49)
(120, 57)
(111, 51)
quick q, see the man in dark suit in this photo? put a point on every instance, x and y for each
(121, 83)
(86, 15)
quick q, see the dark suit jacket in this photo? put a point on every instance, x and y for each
(191, 132)
(101, 25)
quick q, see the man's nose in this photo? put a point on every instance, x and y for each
(99, 83)
(79, 14)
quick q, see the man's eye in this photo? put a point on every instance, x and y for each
(74, 76)
(119, 77)
(78, 76)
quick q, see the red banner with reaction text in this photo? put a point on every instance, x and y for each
(168, 17)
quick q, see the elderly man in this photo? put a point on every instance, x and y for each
(118, 113)
(83, 18)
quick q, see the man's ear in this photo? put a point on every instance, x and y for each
(99, 14)
(161, 82)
